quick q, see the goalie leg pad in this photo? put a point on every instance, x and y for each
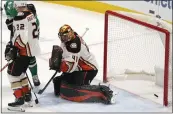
(86, 93)
(56, 85)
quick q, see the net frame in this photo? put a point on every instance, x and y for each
(145, 24)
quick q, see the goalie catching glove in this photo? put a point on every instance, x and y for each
(55, 60)
(11, 52)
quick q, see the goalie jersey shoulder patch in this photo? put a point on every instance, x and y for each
(74, 45)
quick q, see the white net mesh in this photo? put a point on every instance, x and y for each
(134, 50)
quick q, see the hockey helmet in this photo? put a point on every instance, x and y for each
(10, 11)
(66, 33)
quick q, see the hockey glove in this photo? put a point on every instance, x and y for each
(10, 52)
(55, 60)
(9, 23)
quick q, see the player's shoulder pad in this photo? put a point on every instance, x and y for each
(74, 45)
(22, 15)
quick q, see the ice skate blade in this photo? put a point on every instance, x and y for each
(17, 109)
(28, 104)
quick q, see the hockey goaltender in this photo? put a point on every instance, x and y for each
(78, 67)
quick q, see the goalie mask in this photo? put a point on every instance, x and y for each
(66, 33)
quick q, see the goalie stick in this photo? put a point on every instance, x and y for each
(85, 32)
(42, 90)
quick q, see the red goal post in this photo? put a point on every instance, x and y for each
(142, 23)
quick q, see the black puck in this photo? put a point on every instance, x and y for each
(36, 101)
(156, 95)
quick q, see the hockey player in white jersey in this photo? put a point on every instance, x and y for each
(23, 45)
(11, 13)
(79, 68)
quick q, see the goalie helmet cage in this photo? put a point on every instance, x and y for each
(141, 23)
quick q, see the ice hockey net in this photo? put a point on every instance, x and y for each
(138, 46)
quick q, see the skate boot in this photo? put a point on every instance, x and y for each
(36, 80)
(108, 94)
(16, 105)
(28, 99)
